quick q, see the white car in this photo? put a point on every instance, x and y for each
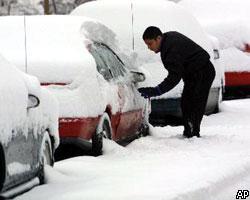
(28, 130)
(129, 19)
(79, 61)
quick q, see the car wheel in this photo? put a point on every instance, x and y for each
(103, 130)
(2, 167)
(46, 157)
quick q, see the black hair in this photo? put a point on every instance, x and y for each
(152, 32)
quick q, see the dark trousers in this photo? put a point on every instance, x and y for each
(194, 99)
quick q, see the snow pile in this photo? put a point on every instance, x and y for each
(162, 166)
(15, 87)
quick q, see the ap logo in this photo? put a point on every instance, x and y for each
(242, 194)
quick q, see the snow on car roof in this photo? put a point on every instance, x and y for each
(56, 45)
(56, 48)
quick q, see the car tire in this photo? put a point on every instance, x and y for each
(103, 130)
(46, 156)
(2, 167)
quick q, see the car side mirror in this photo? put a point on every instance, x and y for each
(33, 101)
(137, 76)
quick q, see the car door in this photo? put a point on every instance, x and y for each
(130, 111)
(21, 151)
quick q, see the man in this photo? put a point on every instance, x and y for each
(186, 60)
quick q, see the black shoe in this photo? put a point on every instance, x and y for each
(198, 135)
(187, 135)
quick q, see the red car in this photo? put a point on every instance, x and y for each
(96, 86)
(237, 82)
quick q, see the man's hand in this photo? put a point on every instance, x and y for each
(147, 92)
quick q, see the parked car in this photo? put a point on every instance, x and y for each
(28, 130)
(133, 19)
(79, 61)
(233, 33)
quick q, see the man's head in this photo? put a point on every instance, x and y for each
(152, 37)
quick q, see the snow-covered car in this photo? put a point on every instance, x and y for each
(79, 61)
(28, 130)
(232, 29)
(133, 19)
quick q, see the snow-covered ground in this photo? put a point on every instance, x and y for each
(162, 166)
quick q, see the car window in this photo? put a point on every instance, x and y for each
(102, 67)
(111, 61)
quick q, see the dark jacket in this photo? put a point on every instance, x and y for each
(182, 57)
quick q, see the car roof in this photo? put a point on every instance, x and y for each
(55, 45)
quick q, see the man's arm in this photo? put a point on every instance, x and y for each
(173, 63)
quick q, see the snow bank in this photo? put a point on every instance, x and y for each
(162, 166)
